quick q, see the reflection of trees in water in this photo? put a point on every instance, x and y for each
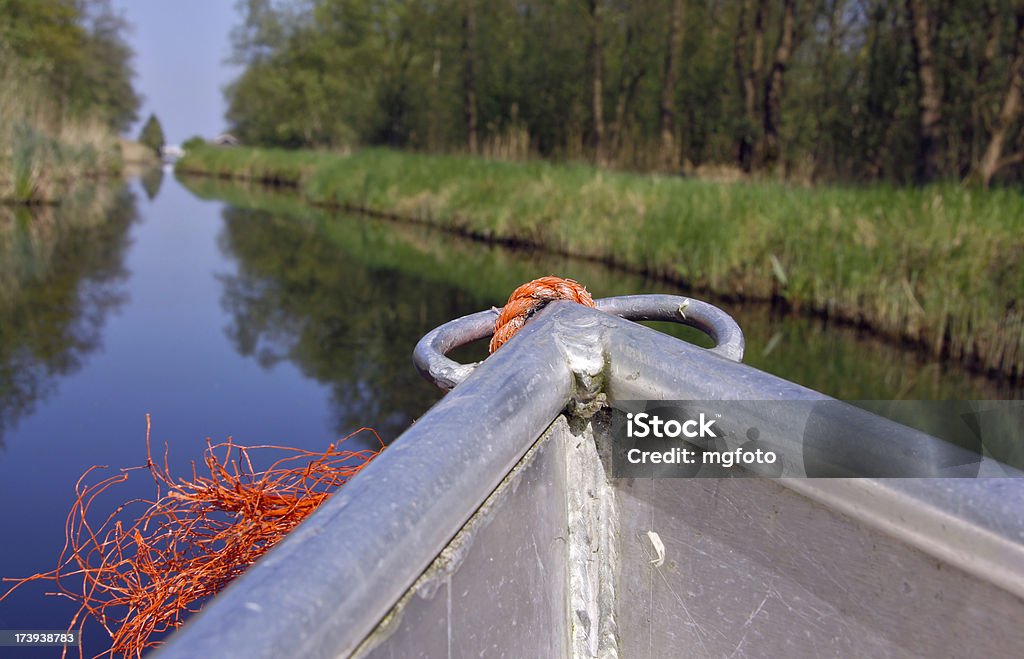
(839, 361)
(59, 275)
(848, 364)
(298, 288)
(298, 297)
(151, 180)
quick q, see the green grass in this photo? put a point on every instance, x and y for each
(942, 266)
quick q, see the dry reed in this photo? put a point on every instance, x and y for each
(41, 146)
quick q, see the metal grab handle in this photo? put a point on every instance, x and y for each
(708, 318)
(430, 351)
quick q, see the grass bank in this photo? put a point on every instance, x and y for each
(942, 266)
(344, 250)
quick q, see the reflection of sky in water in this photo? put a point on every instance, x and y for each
(224, 321)
(60, 277)
(164, 351)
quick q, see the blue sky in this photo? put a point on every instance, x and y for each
(180, 51)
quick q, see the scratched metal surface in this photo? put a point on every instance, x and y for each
(752, 569)
(499, 588)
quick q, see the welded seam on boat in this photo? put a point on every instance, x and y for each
(593, 519)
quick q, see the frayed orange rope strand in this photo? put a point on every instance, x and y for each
(529, 298)
(143, 577)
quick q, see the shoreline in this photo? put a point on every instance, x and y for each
(995, 349)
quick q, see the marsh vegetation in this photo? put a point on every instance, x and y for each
(65, 93)
(938, 266)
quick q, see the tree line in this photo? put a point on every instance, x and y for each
(852, 90)
(72, 53)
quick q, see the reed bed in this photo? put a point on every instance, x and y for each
(940, 266)
(41, 150)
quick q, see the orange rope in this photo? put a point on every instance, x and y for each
(530, 298)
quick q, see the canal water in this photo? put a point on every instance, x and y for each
(227, 311)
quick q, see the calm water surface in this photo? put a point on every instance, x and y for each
(260, 319)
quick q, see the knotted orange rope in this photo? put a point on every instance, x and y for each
(530, 298)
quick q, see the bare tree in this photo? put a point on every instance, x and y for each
(667, 110)
(773, 85)
(632, 72)
(748, 77)
(993, 159)
(597, 82)
(469, 75)
(922, 27)
(974, 131)
(826, 151)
